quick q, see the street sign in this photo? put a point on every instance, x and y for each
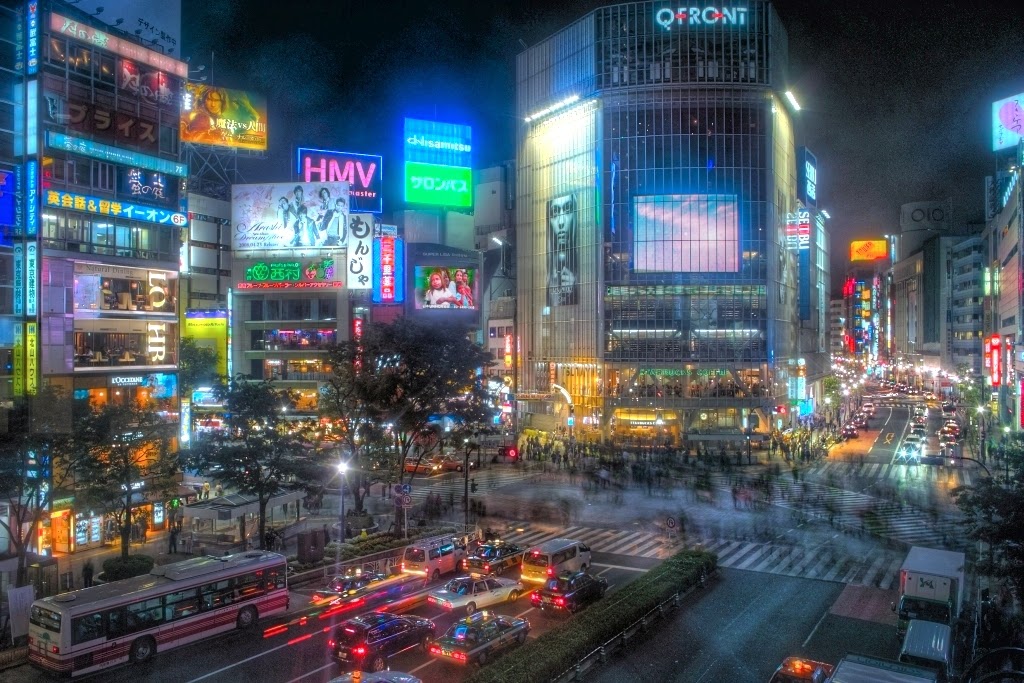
(398, 489)
(670, 522)
(407, 489)
(407, 501)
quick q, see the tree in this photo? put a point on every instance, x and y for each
(36, 465)
(123, 456)
(389, 390)
(994, 511)
(197, 365)
(259, 452)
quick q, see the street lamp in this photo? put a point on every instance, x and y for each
(342, 468)
(981, 432)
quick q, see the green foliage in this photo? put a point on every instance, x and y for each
(562, 647)
(197, 365)
(117, 568)
(260, 452)
(994, 511)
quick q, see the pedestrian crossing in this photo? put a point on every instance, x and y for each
(878, 568)
(961, 476)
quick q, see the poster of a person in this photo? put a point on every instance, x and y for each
(563, 261)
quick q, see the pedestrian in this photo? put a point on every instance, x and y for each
(206, 490)
(172, 546)
(188, 543)
(143, 528)
(219, 491)
(87, 574)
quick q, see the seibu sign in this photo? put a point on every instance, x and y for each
(701, 16)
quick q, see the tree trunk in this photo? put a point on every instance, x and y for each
(262, 522)
(126, 524)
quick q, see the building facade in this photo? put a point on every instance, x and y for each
(657, 298)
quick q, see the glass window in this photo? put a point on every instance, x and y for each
(327, 309)
(217, 594)
(116, 623)
(181, 604)
(297, 309)
(250, 585)
(144, 615)
(103, 176)
(86, 628)
(44, 618)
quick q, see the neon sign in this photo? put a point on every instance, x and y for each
(115, 155)
(388, 269)
(995, 371)
(798, 231)
(696, 16)
(125, 48)
(321, 270)
(362, 172)
(107, 207)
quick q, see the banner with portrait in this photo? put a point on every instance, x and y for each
(223, 117)
(289, 216)
(563, 256)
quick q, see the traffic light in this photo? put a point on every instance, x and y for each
(510, 452)
(781, 410)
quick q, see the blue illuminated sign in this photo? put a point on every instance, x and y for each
(807, 177)
(8, 194)
(114, 155)
(31, 198)
(388, 269)
(32, 18)
(434, 142)
(108, 207)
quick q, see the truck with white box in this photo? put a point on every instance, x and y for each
(931, 587)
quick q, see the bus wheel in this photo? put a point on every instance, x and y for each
(247, 617)
(142, 650)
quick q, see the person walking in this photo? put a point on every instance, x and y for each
(87, 574)
(172, 544)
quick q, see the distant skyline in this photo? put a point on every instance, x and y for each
(896, 98)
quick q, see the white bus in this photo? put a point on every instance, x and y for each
(91, 629)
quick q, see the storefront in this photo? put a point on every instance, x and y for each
(158, 389)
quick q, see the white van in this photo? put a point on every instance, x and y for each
(433, 558)
(553, 557)
(929, 645)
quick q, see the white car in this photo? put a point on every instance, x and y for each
(472, 594)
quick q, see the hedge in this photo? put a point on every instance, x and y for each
(561, 648)
(117, 568)
(370, 545)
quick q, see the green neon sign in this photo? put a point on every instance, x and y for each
(438, 185)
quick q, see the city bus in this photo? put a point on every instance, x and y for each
(88, 630)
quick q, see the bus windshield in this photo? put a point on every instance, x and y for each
(45, 618)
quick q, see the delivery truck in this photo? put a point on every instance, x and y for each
(931, 587)
(862, 669)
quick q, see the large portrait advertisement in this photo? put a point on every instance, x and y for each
(686, 233)
(289, 216)
(223, 117)
(563, 258)
(445, 287)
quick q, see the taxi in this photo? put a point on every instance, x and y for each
(797, 669)
(477, 638)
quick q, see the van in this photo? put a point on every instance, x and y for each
(433, 558)
(929, 645)
(553, 557)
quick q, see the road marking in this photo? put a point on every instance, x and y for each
(889, 437)
(815, 628)
(618, 566)
(520, 615)
(315, 671)
(247, 659)
(424, 665)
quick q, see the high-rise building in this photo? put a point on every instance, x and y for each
(658, 296)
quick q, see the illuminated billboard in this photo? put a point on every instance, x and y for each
(362, 172)
(807, 177)
(317, 273)
(388, 270)
(1007, 122)
(289, 216)
(209, 329)
(695, 233)
(438, 185)
(869, 250)
(435, 142)
(84, 33)
(109, 207)
(442, 283)
(223, 117)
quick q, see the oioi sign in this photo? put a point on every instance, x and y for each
(701, 16)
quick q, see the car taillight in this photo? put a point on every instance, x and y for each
(460, 656)
(559, 601)
(331, 643)
(551, 571)
(403, 566)
(359, 650)
(316, 597)
(434, 650)
(487, 567)
(54, 649)
(535, 597)
(465, 564)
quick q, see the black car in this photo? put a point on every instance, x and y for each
(569, 592)
(496, 557)
(349, 586)
(850, 431)
(369, 640)
(478, 637)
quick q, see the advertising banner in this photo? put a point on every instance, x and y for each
(869, 250)
(388, 270)
(209, 329)
(441, 287)
(563, 259)
(435, 142)
(31, 358)
(443, 283)
(678, 233)
(84, 33)
(107, 207)
(362, 172)
(103, 121)
(19, 359)
(223, 117)
(148, 186)
(359, 270)
(1007, 122)
(290, 216)
(114, 155)
(438, 185)
(31, 279)
(317, 273)
(935, 216)
(807, 177)
(19, 279)
(149, 84)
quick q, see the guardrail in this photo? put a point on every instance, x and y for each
(13, 656)
(600, 654)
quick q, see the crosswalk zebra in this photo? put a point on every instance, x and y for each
(961, 476)
(878, 568)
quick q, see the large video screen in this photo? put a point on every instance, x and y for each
(685, 233)
(223, 117)
(292, 216)
(445, 287)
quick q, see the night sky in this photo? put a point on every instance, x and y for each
(896, 97)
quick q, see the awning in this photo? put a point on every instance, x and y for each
(235, 505)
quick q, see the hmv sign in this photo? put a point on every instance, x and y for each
(700, 16)
(362, 172)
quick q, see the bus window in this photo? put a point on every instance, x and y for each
(276, 577)
(217, 594)
(44, 618)
(86, 628)
(145, 614)
(181, 604)
(115, 623)
(250, 585)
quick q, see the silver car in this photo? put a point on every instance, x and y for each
(471, 593)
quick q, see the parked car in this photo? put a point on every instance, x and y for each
(368, 641)
(479, 636)
(569, 592)
(421, 466)
(496, 557)
(471, 594)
